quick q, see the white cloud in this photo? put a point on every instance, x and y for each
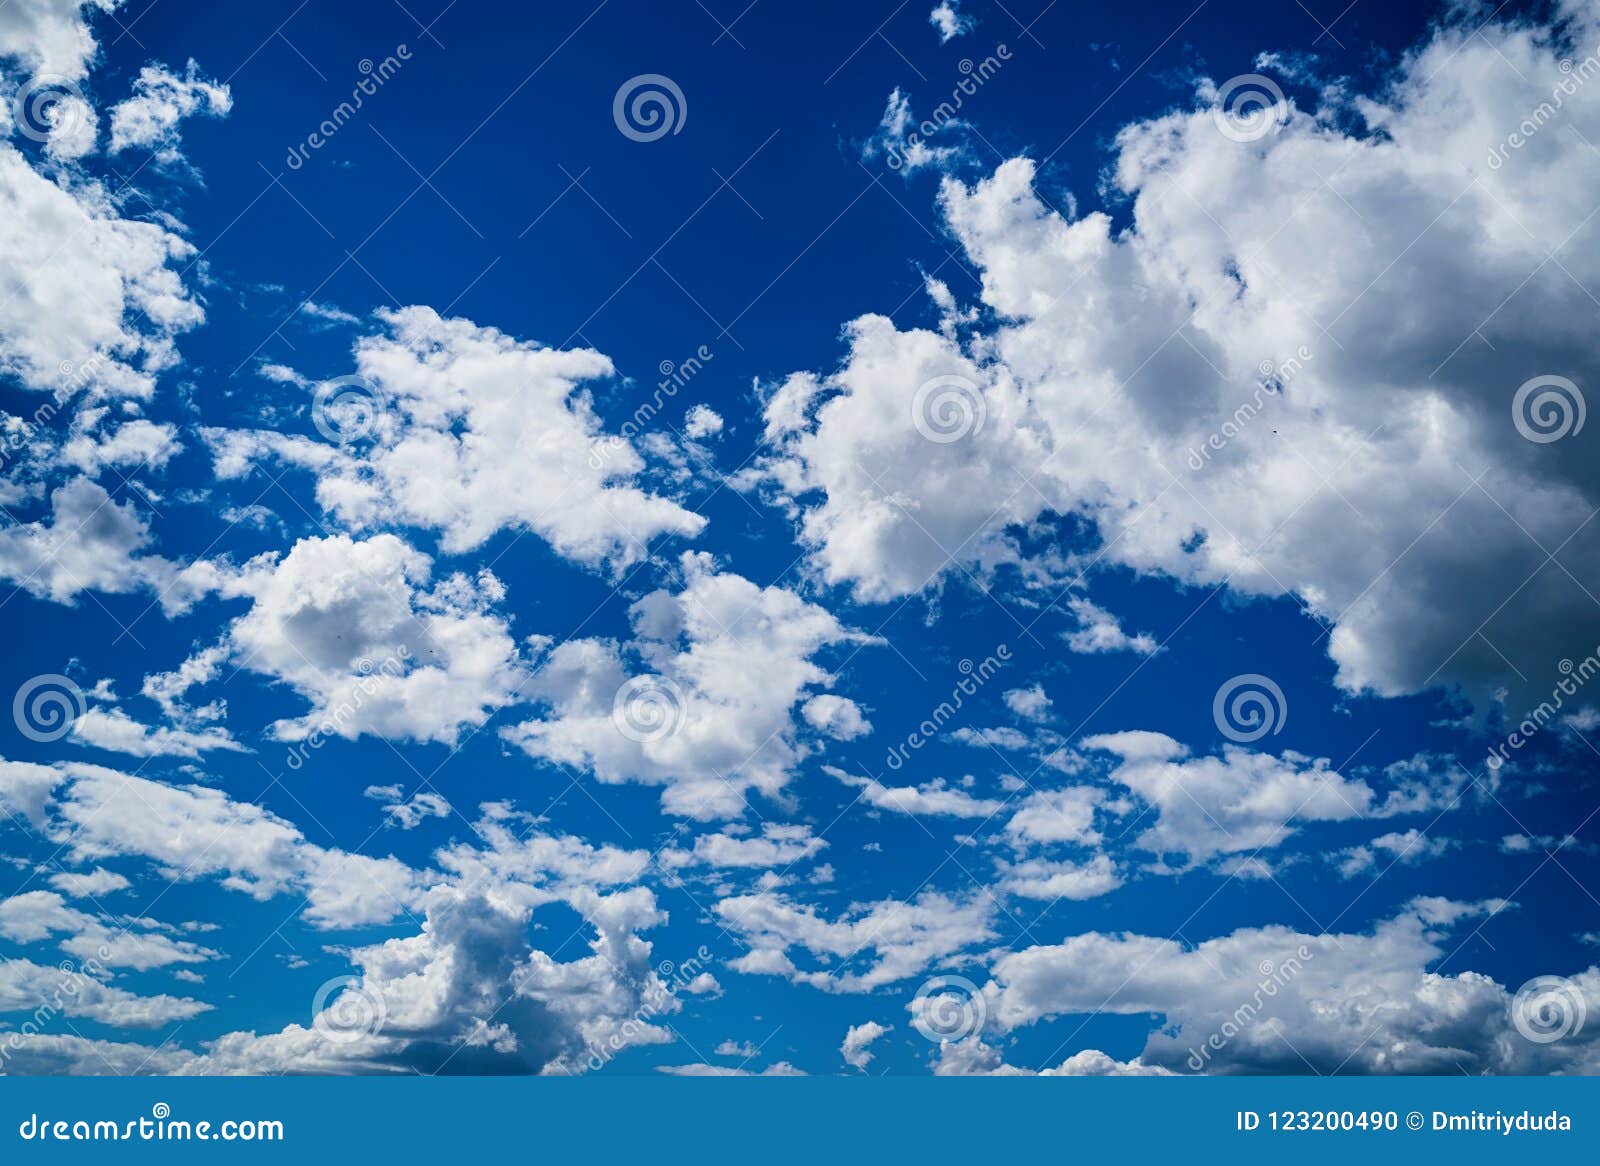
(115, 730)
(972, 1057)
(776, 1069)
(904, 937)
(1053, 879)
(469, 994)
(778, 846)
(91, 884)
(702, 421)
(1031, 704)
(710, 714)
(51, 36)
(195, 832)
(857, 1046)
(1418, 242)
(1098, 631)
(1239, 802)
(34, 916)
(161, 99)
(1057, 816)
(133, 444)
(364, 633)
(92, 542)
(934, 798)
(94, 305)
(904, 144)
(837, 716)
(406, 813)
(27, 987)
(950, 21)
(1278, 1000)
(462, 429)
(1396, 848)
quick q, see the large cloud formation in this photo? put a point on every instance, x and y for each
(1348, 296)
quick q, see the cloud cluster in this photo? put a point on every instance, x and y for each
(708, 711)
(462, 429)
(1443, 282)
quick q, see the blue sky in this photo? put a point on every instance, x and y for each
(469, 558)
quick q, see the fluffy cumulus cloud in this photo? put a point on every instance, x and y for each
(114, 730)
(95, 302)
(191, 833)
(363, 631)
(777, 847)
(973, 1057)
(702, 700)
(51, 37)
(935, 798)
(91, 542)
(1273, 1000)
(950, 21)
(34, 916)
(465, 430)
(1243, 801)
(904, 938)
(1119, 353)
(26, 987)
(857, 1047)
(467, 992)
(161, 99)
